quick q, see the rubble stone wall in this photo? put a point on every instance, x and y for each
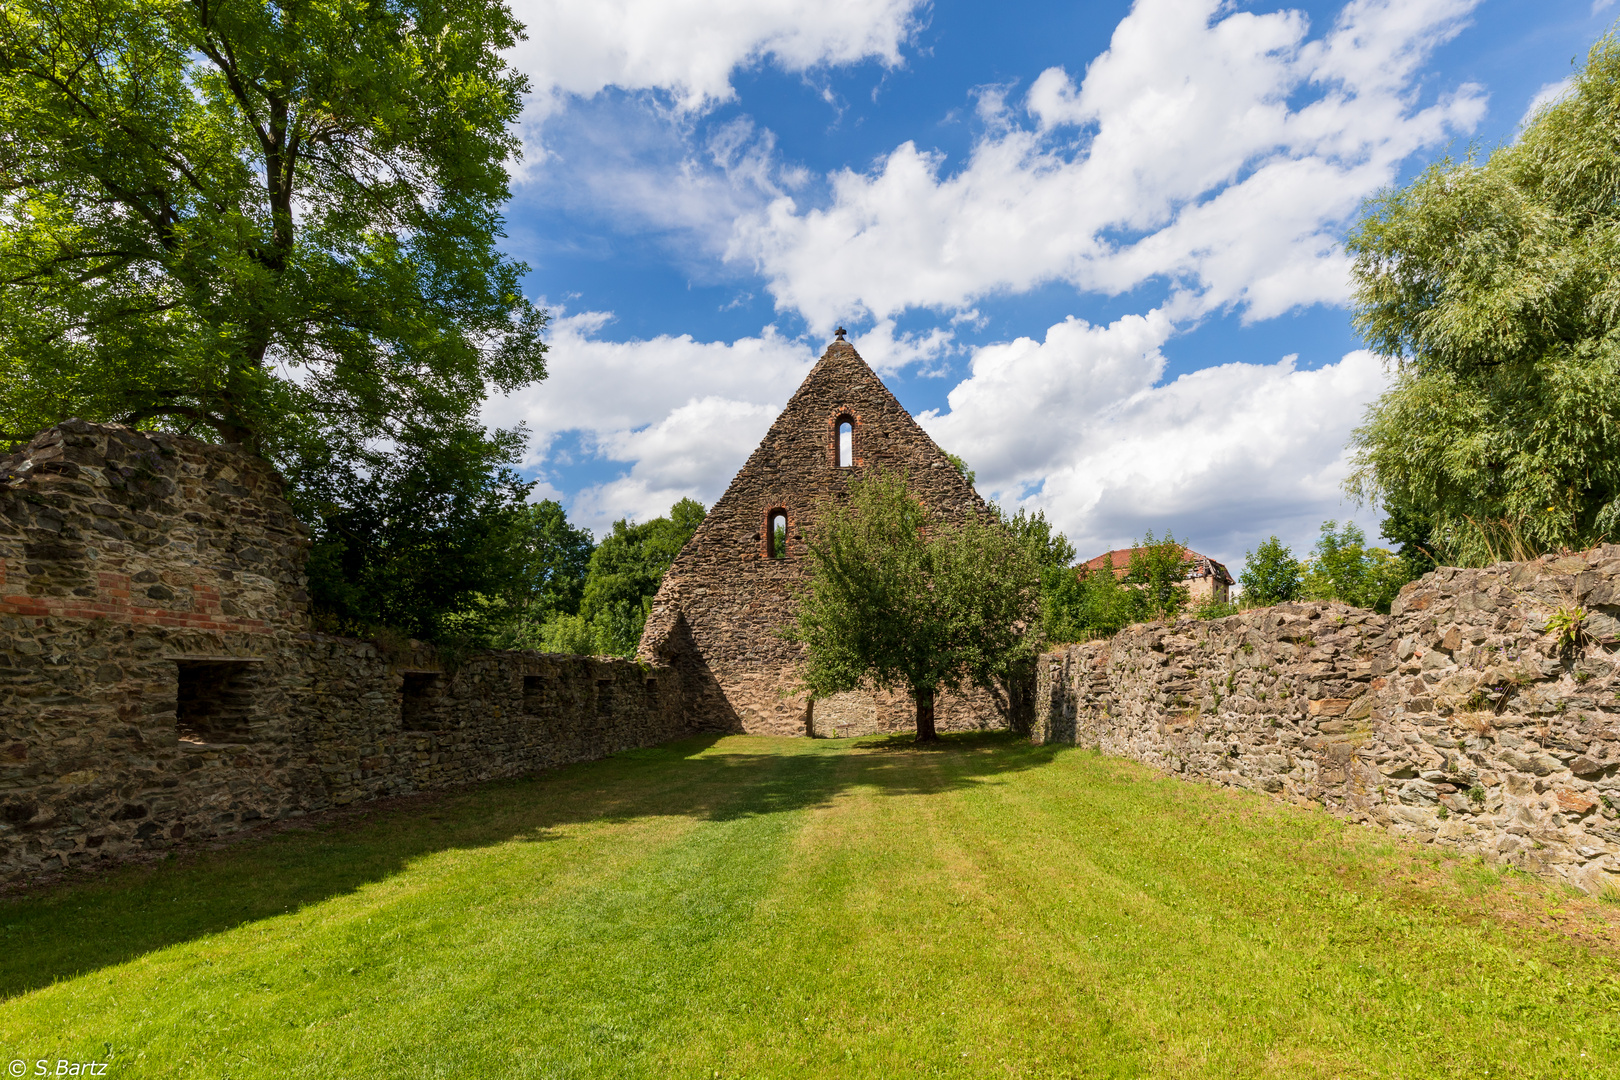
(727, 597)
(159, 681)
(1466, 717)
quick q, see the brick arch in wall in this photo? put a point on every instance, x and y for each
(845, 414)
(767, 534)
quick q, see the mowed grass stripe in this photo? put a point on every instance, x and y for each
(1229, 931)
(772, 907)
(558, 943)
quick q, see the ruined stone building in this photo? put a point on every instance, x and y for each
(159, 679)
(1206, 578)
(719, 613)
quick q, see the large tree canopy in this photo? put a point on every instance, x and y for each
(1492, 288)
(271, 220)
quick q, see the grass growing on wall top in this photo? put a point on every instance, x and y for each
(749, 907)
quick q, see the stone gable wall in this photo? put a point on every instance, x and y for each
(138, 572)
(100, 522)
(724, 601)
(1458, 719)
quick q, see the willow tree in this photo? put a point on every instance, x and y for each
(268, 221)
(1490, 287)
(901, 599)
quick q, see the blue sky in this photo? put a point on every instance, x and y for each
(1094, 247)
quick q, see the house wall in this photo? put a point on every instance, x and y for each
(1458, 719)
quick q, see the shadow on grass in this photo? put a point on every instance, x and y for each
(80, 926)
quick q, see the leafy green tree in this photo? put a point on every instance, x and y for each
(1158, 569)
(553, 557)
(1088, 603)
(1271, 574)
(1490, 287)
(271, 221)
(1047, 546)
(1343, 567)
(1414, 532)
(901, 599)
(621, 579)
(416, 540)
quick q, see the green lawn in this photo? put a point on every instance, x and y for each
(749, 907)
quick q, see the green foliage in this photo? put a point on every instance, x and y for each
(1211, 608)
(1271, 574)
(904, 600)
(269, 222)
(1159, 571)
(1083, 604)
(1567, 625)
(616, 593)
(1048, 547)
(1414, 532)
(1342, 567)
(420, 539)
(553, 558)
(1491, 287)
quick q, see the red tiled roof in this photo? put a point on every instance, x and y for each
(1120, 561)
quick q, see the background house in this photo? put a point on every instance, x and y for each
(1206, 578)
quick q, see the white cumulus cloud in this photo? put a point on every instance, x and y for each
(680, 415)
(1224, 456)
(1178, 156)
(689, 49)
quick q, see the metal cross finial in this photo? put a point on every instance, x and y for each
(841, 332)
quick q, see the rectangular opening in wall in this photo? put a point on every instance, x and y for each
(604, 695)
(215, 700)
(534, 693)
(419, 699)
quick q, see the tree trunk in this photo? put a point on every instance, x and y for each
(925, 716)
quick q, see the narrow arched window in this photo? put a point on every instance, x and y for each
(776, 534)
(846, 443)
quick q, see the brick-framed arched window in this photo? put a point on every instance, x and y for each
(776, 532)
(844, 438)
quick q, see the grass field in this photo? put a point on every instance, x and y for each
(748, 907)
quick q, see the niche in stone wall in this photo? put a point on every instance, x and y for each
(604, 695)
(535, 693)
(215, 700)
(419, 699)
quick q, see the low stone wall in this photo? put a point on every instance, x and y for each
(1458, 719)
(110, 766)
(158, 680)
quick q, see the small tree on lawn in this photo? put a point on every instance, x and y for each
(904, 600)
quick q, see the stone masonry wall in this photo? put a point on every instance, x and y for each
(1463, 718)
(158, 680)
(725, 599)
